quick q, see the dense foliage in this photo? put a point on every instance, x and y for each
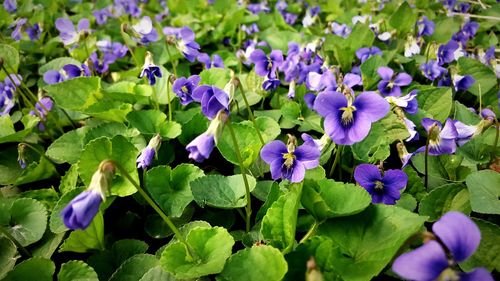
(224, 140)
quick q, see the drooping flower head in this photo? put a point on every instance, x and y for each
(10, 6)
(383, 187)
(290, 161)
(459, 236)
(446, 53)
(42, 108)
(150, 70)
(348, 119)
(212, 100)
(462, 83)
(201, 147)
(441, 139)
(184, 41)
(67, 72)
(391, 83)
(145, 159)
(184, 87)
(67, 32)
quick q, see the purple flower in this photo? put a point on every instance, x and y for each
(408, 103)
(250, 29)
(321, 82)
(270, 84)
(150, 70)
(462, 83)
(467, 32)
(212, 100)
(459, 236)
(365, 53)
(201, 147)
(432, 70)
(258, 7)
(464, 132)
(127, 6)
(10, 6)
(348, 119)
(111, 50)
(341, 30)
(18, 27)
(446, 53)
(425, 27)
(290, 162)
(441, 139)
(309, 99)
(34, 32)
(7, 90)
(384, 188)
(145, 31)
(98, 65)
(266, 66)
(215, 62)
(290, 18)
(145, 159)
(42, 108)
(184, 41)
(82, 209)
(281, 5)
(67, 31)
(183, 88)
(101, 16)
(391, 83)
(488, 114)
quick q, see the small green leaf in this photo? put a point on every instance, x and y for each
(369, 71)
(25, 219)
(92, 238)
(10, 57)
(211, 246)
(110, 110)
(68, 147)
(36, 268)
(435, 102)
(326, 199)
(221, 192)
(134, 268)
(8, 256)
(403, 19)
(46, 246)
(152, 122)
(69, 180)
(484, 189)
(157, 274)
(215, 76)
(76, 271)
(483, 75)
(450, 197)
(77, 93)
(256, 263)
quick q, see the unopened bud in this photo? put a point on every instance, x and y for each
(216, 127)
(313, 273)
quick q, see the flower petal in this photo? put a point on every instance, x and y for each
(422, 264)
(402, 79)
(272, 151)
(371, 105)
(385, 73)
(367, 174)
(299, 172)
(394, 179)
(477, 274)
(329, 102)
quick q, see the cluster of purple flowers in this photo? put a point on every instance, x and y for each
(42, 108)
(7, 89)
(34, 31)
(116, 10)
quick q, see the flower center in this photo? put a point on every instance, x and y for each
(379, 185)
(448, 275)
(434, 135)
(184, 89)
(269, 64)
(347, 115)
(289, 157)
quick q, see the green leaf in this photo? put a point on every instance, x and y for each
(68, 147)
(248, 142)
(360, 255)
(361, 36)
(152, 122)
(221, 192)
(11, 59)
(484, 189)
(435, 102)
(135, 267)
(486, 254)
(55, 221)
(211, 246)
(215, 76)
(92, 238)
(25, 219)
(326, 199)
(485, 77)
(37, 171)
(268, 128)
(106, 109)
(57, 64)
(6, 126)
(108, 129)
(170, 188)
(256, 263)
(403, 20)
(8, 256)
(445, 28)
(450, 197)
(36, 268)
(69, 180)
(46, 246)
(157, 274)
(280, 221)
(76, 271)
(77, 93)
(117, 149)
(369, 71)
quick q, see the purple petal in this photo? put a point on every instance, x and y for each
(449, 131)
(329, 102)
(385, 73)
(298, 173)
(308, 155)
(258, 55)
(459, 233)
(52, 77)
(478, 274)
(422, 264)
(367, 174)
(351, 80)
(335, 130)
(80, 212)
(359, 129)
(272, 151)
(187, 34)
(427, 123)
(65, 25)
(371, 105)
(402, 79)
(201, 147)
(83, 24)
(395, 180)
(276, 166)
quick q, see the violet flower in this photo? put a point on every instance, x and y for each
(432, 70)
(459, 236)
(18, 27)
(464, 132)
(144, 31)
(250, 29)
(467, 32)
(341, 30)
(184, 40)
(68, 71)
(258, 7)
(145, 159)
(80, 212)
(290, 18)
(10, 6)
(446, 53)
(266, 66)
(348, 119)
(201, 147)
(7, 90)
(383, 187)
(391, 84)
(365, 53)
(290, 161)
(67, 32)
(441, 139)
(425, 27)
(321, 82)
(408, 103)
(462, 83)
(42, 108)
(270, 84)
(215, 62)
(150, 70)
(212, 100)
(184, 87)
(101, 16)
(34, 32)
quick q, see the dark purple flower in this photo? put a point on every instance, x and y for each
(441, 139)
(150, 70)
(290, 18)
(348, 119)
(7, 90)
(184, 41)
(111, 50)
(212, 100)
(459, 236)
(463, 83)
(34, 32)
(201, 147)
(184, 87)
(42, 108)
(67, 31)
(98, 65)
(446, 53)
(488, 56)
(258, 7)
(384, 188)
(266, 66)
(69, 71)
(467, 32)
(365, 53)
(80, 212)
(101, 16)
(391, 84)
(10, 6)
(270, 84)
(341, 30)
(18, 28)
(309, 99)
(432, 70)
(145, 159)
(215, 62)
(425, 27)
(290, 162)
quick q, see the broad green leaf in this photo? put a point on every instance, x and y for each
(8, 256)
(215, 76)
(68, 147)
(77, 93)
(256, 263)
(210, 246)
(117, 149)
(361, 36)
(55, 221)
(39, 269)
(445, 28)
(268, 128)
(46, 246)
(24, 219)
(170, 188)
(157, 228)
(135, 267)
(360, 255)
(157, 274)
(76, 271)
(279, 39)
(486, 254)
(110, 110)
(369, 71)
(326, 199)
(69, 180)
(10, 57)
(6, 126)
(193, 124)
(92, 238)
(435, 102)
(280, 221)
(403, 20)
(484, 189)
(108, 129)
(407, 201)
(221, 192)
(450, 197)
(485, 77)
(248, 142)
(37, 171)
(152, 122)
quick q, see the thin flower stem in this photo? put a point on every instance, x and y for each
(310, 233)
(168, 100)
(18, 245)
(155, 99)
(250, 114)
(73, 124)
(475, 16)
(158, 210)
(426, 165)
(174, 66)
(495, 144)
(129, 48)
(338, 154)
(248, 207)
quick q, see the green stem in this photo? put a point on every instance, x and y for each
(155, 98)
(426, 165)
(310, 233)
(250, 114)
(129, 48)
(338, 154)
(174, 66)
(158, 210)
(38, 152)
(168, 101)
(495, 144)
(248, 207)
(11, 238)
(73, 124)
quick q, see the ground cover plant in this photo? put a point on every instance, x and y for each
(242, 140)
